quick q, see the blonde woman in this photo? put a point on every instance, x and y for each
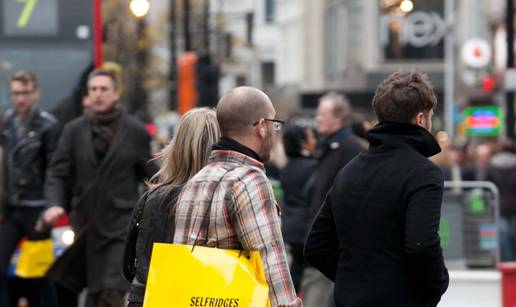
(183, 157)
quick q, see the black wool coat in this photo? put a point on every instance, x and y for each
(101, 195)
(376, 235)
(334, 153)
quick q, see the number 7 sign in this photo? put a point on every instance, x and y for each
(26, 13)
(24, 18)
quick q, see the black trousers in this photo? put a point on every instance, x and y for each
(106, 298)
(16, 224)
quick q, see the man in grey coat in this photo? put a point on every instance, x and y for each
(100, 159)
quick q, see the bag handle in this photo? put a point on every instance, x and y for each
(205, 221)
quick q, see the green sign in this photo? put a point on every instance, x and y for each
(483, 121)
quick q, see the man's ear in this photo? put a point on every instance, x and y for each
(37, 94)
(420, 119)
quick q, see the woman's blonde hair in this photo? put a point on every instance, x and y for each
(189, 149)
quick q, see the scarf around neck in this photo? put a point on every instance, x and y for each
(104, 127)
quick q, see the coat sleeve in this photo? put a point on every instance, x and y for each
(257, 224)
(59, 173)
(322, 247)
(129, 258)
(422, 242)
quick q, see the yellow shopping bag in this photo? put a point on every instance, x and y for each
(35, 258)
(208, 277)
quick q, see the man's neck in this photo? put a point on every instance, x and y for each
(244, 141)
(25, 115)
(240, 145)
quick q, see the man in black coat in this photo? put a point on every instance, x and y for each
(377, 235)
(336, 148)
(338, 145)
(502, 172)
(100, 160)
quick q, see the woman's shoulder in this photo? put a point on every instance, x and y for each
(164, 193)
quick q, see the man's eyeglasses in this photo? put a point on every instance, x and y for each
(21, 93)
(277, 124)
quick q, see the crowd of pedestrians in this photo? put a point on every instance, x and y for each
(359, 216)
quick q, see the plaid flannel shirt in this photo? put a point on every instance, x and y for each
(244, 215)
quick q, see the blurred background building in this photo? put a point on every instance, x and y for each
(188, 52)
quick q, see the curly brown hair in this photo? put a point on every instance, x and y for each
(402, 95)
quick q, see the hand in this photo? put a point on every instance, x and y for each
(296, 303)
(49, 217)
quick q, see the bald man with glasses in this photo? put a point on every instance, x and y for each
(250, 219)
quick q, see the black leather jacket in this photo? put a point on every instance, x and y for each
(26, 156)
(151, 222)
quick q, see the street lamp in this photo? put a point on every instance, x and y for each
(406, 6)
(139, 8)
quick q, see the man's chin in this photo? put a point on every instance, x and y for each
(102, 110)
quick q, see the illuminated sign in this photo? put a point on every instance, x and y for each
(45, 21)
(412, 34)
(30, 17)
(483, 121)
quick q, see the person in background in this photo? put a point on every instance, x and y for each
(299, 144)
(99, 162)
(72, 106)
(360, 125)
(377, 235)
(28, 138)
(501, 171)
(483, 153)
(337, 146)
(249, 219)
(449, 160)
(182, 158)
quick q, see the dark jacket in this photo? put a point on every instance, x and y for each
(102, 195)
(295, 208)
(27, 156)
(376, 235)
(152, 222)
(502, 172)
(333, 153)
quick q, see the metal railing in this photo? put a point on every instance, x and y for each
(469, 224)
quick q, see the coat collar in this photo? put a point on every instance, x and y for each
(231, 156)
(332, 142)
(226, 143)
(394, 135)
